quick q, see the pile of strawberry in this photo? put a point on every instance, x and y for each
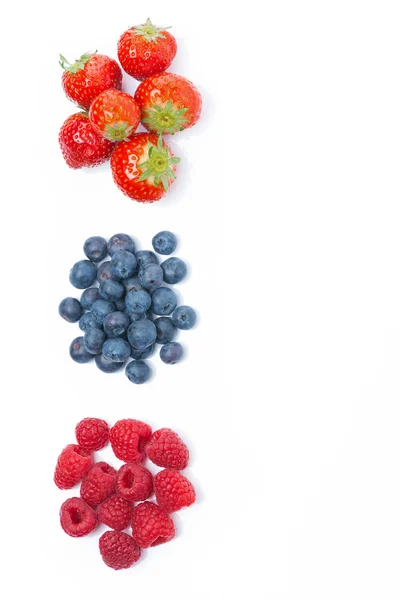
(142, 164)
(107, 496)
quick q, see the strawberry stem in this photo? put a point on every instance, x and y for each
(150, 32)
(165, 119)
(78, 65)
(158, 166)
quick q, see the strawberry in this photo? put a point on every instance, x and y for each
(169, 103)
(144, 167)
(90, 75)
(146, 50)
(114, 115)
(81, 145)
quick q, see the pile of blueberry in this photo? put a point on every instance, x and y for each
(116, 316)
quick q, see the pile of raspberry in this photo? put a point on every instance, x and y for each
(120, 499)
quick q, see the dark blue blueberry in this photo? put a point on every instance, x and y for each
(142, 334)
(89, 296)
(95, 248)
(123, 264)
(184, 317)
(163, 301)
(120, 241)
(116, 323)
(120, 304)
(142, 354)
(174, 270)
(133, 317)
(132, 283)
(82, 274)
(138, 371)
(171, 353)
(151, 277)
(107, 366)
(102, 308)
(166, 330)
(138, 302)
(164, 242)
(116, 349)
(70, 310)
(78, 352)
(146, 257)
(104, 272)
(93, 340)
(87, 321)
(111, 290)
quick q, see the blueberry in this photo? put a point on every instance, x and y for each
(82, 274)
(95, 248)
(132, 283)
(111, 290)
(120, 241)
(164, 242)
(89, 296)
(151, 277)
(102, 308)
(146, 257)
(142, 334)
(87, 321)
(163, 301)
(138, 371)
(171, 353)
(166, 330)
(78, 352)
(70, 310)
(116, 323)
(107, 366)
(116, 349)
(104, 272)
(184, 317)
(133, 317)
(93, 340)
(120, 304)
(174, 270)
(142, 354)
(138, 302)
(123, 264)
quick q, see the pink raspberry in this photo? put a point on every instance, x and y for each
(92, 434)
(128, 438)
(118, 550)
(98, 484)
(115, 512)
(166, 449)
(151, 526)
(173, 490)
(134, 482)
(77, 518)
(72, 465)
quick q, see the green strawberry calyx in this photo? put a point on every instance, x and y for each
(78, 65)
(150, 32)
(158, 165)
(165, 119)
(120, 131)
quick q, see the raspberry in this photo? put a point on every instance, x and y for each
(128, 438)
(173, 491)
(72, 465)
(134, 482)
(151, 526)
(92, 434)
(115, 512)
(166, 449)
(118, 550)
(77, 518)
(98, 484)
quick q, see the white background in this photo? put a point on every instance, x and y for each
(287, 210)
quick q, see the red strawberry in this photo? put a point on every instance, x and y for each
(169, 103)
(114, 115)
(143, 168)
(146, 50)
(90, 75)
(81, 145)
